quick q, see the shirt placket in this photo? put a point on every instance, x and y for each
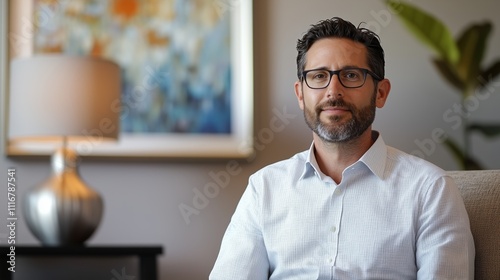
(337, 208)
(332, 241)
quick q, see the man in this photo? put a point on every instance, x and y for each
(350, 207)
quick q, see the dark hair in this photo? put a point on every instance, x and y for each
(339, 28)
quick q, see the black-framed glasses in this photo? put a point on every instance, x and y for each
(351, 77)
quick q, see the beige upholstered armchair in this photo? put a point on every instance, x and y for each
(481, 193)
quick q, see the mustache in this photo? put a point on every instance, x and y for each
(335, 103)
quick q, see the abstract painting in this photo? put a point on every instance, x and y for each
(187, 85)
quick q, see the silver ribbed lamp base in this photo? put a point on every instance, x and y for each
(63, 210)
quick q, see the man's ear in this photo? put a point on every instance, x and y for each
(383, 89)
(300, 95)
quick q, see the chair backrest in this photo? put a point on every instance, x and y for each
(481, 193)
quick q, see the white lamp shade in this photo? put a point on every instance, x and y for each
(52, 96)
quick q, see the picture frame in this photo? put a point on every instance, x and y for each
(238, 143)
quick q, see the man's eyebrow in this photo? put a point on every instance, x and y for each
(319, 68)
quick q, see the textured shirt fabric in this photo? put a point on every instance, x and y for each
(393, 216)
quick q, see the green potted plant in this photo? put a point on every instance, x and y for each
(459, 61)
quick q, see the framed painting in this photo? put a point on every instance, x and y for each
(187, 69)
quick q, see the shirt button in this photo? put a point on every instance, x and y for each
(338, 191)
(330, 260)
(333, 229)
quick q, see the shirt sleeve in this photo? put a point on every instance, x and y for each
(243, 254)
(444, 243)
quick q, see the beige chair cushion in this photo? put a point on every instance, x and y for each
(481, 194)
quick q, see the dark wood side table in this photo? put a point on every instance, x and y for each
(146, 254)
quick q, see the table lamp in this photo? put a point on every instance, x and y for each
(68, 102)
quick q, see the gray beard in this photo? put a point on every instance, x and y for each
(340, 133)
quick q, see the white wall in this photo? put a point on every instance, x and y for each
(142, 197)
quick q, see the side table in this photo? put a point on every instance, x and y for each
(146, 255)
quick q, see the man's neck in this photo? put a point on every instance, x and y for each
(333, 158)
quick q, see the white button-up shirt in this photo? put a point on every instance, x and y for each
(393, 216)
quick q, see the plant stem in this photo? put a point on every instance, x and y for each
(466, 139)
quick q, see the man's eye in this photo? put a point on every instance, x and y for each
(351, 75)
(320, 76)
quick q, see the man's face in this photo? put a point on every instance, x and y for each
(336, 113)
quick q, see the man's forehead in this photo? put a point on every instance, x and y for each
(342, 50)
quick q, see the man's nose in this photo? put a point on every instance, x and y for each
(335, 89)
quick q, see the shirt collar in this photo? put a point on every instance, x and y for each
(376, 155)
(311, 166)
(374, 159)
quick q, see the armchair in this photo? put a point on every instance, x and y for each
(481, 193)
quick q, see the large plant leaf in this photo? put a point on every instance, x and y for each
(449, 73)
(472, 46)
(489, 74)
(428, 29)
(489, 130)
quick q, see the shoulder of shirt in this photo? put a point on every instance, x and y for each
(404, 162)
(296, 162)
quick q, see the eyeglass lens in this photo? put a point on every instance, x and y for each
(349, 78)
